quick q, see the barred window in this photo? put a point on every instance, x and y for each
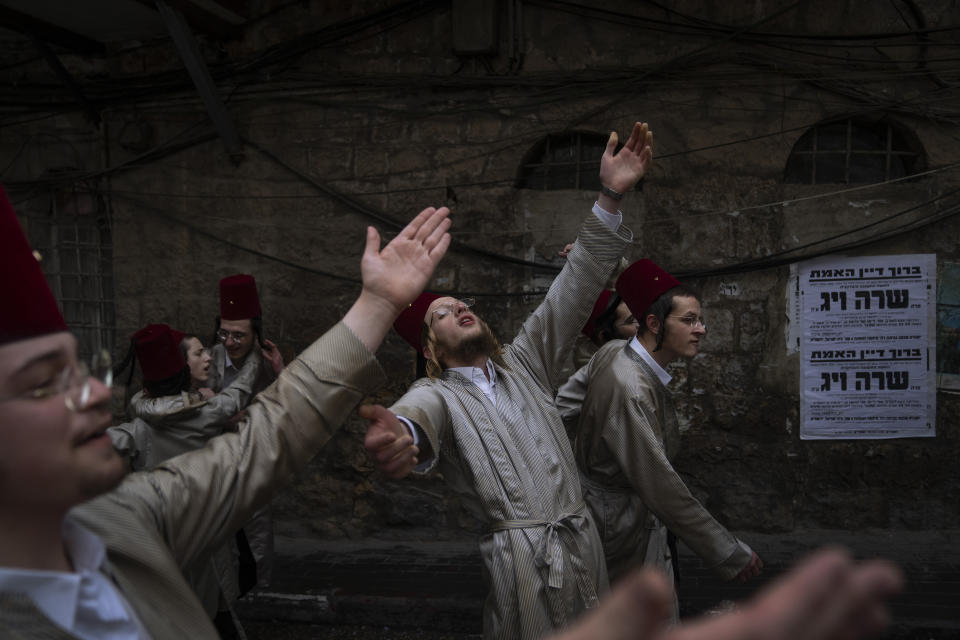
(852, 151)
(75, 241)
(564, 161)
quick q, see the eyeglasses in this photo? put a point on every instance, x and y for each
(444, 310)
(238, 336)
(692, 321)
(74, 381)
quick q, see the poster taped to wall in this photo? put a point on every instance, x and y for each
(867, 347)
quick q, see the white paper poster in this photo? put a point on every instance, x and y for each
(867, 347)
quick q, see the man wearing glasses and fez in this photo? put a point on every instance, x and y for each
(89, 552)
(239, 331)
(628, 434)
(239, 337)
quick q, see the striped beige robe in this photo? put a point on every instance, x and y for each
(627, 436)
(158, 522)
(511, 460)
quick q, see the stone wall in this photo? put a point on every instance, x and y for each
(371, 127)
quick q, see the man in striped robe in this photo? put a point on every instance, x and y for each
(485, 417)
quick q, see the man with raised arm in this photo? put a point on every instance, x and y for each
(86, 552)
(485, 417)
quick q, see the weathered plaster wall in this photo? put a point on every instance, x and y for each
(394, 121)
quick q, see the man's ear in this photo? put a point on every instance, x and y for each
(653, 323)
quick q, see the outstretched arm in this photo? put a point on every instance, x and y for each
(542, 346)
(395, 275)
(632, 433)
(293, 418)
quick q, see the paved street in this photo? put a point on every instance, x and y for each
(433, 590)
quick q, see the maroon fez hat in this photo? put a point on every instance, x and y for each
(410, 321)
(238, 297)
(158, 350)
(642, 283)
(599, 308)
(29, 308)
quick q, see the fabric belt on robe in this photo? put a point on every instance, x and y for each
(550, 552)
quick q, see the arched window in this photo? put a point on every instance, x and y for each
(564, 161)
(853, 150)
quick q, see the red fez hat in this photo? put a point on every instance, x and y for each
(238, 297)
(158, 350)
(599, 308)
(29, 308)
(410, 321)
(642, 283)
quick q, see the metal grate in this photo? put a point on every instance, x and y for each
(852, 151)
(564, 161)
(75, 241)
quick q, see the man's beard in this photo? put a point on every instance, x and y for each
(482, 344)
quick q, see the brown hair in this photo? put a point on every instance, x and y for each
(661, 308)
(428, 340)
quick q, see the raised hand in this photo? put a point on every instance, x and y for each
(399, 272)
(388, 442)
(272, 355)
(621, 171)
(395, 275)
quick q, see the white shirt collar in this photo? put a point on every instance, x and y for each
(477, 377)
(81, 600)
(641, 351)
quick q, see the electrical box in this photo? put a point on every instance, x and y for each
(474, 26)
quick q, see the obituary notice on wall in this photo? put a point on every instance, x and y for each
(867, 328)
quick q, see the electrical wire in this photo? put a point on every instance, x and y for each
(781, 258)
(687, 216)
(704, 26)
(387, 220)
(561, 89)
(218, 237)
(767, 262)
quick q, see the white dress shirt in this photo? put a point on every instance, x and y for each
(487, 383)
(662, 374)
(230, 371)
(84, 602)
